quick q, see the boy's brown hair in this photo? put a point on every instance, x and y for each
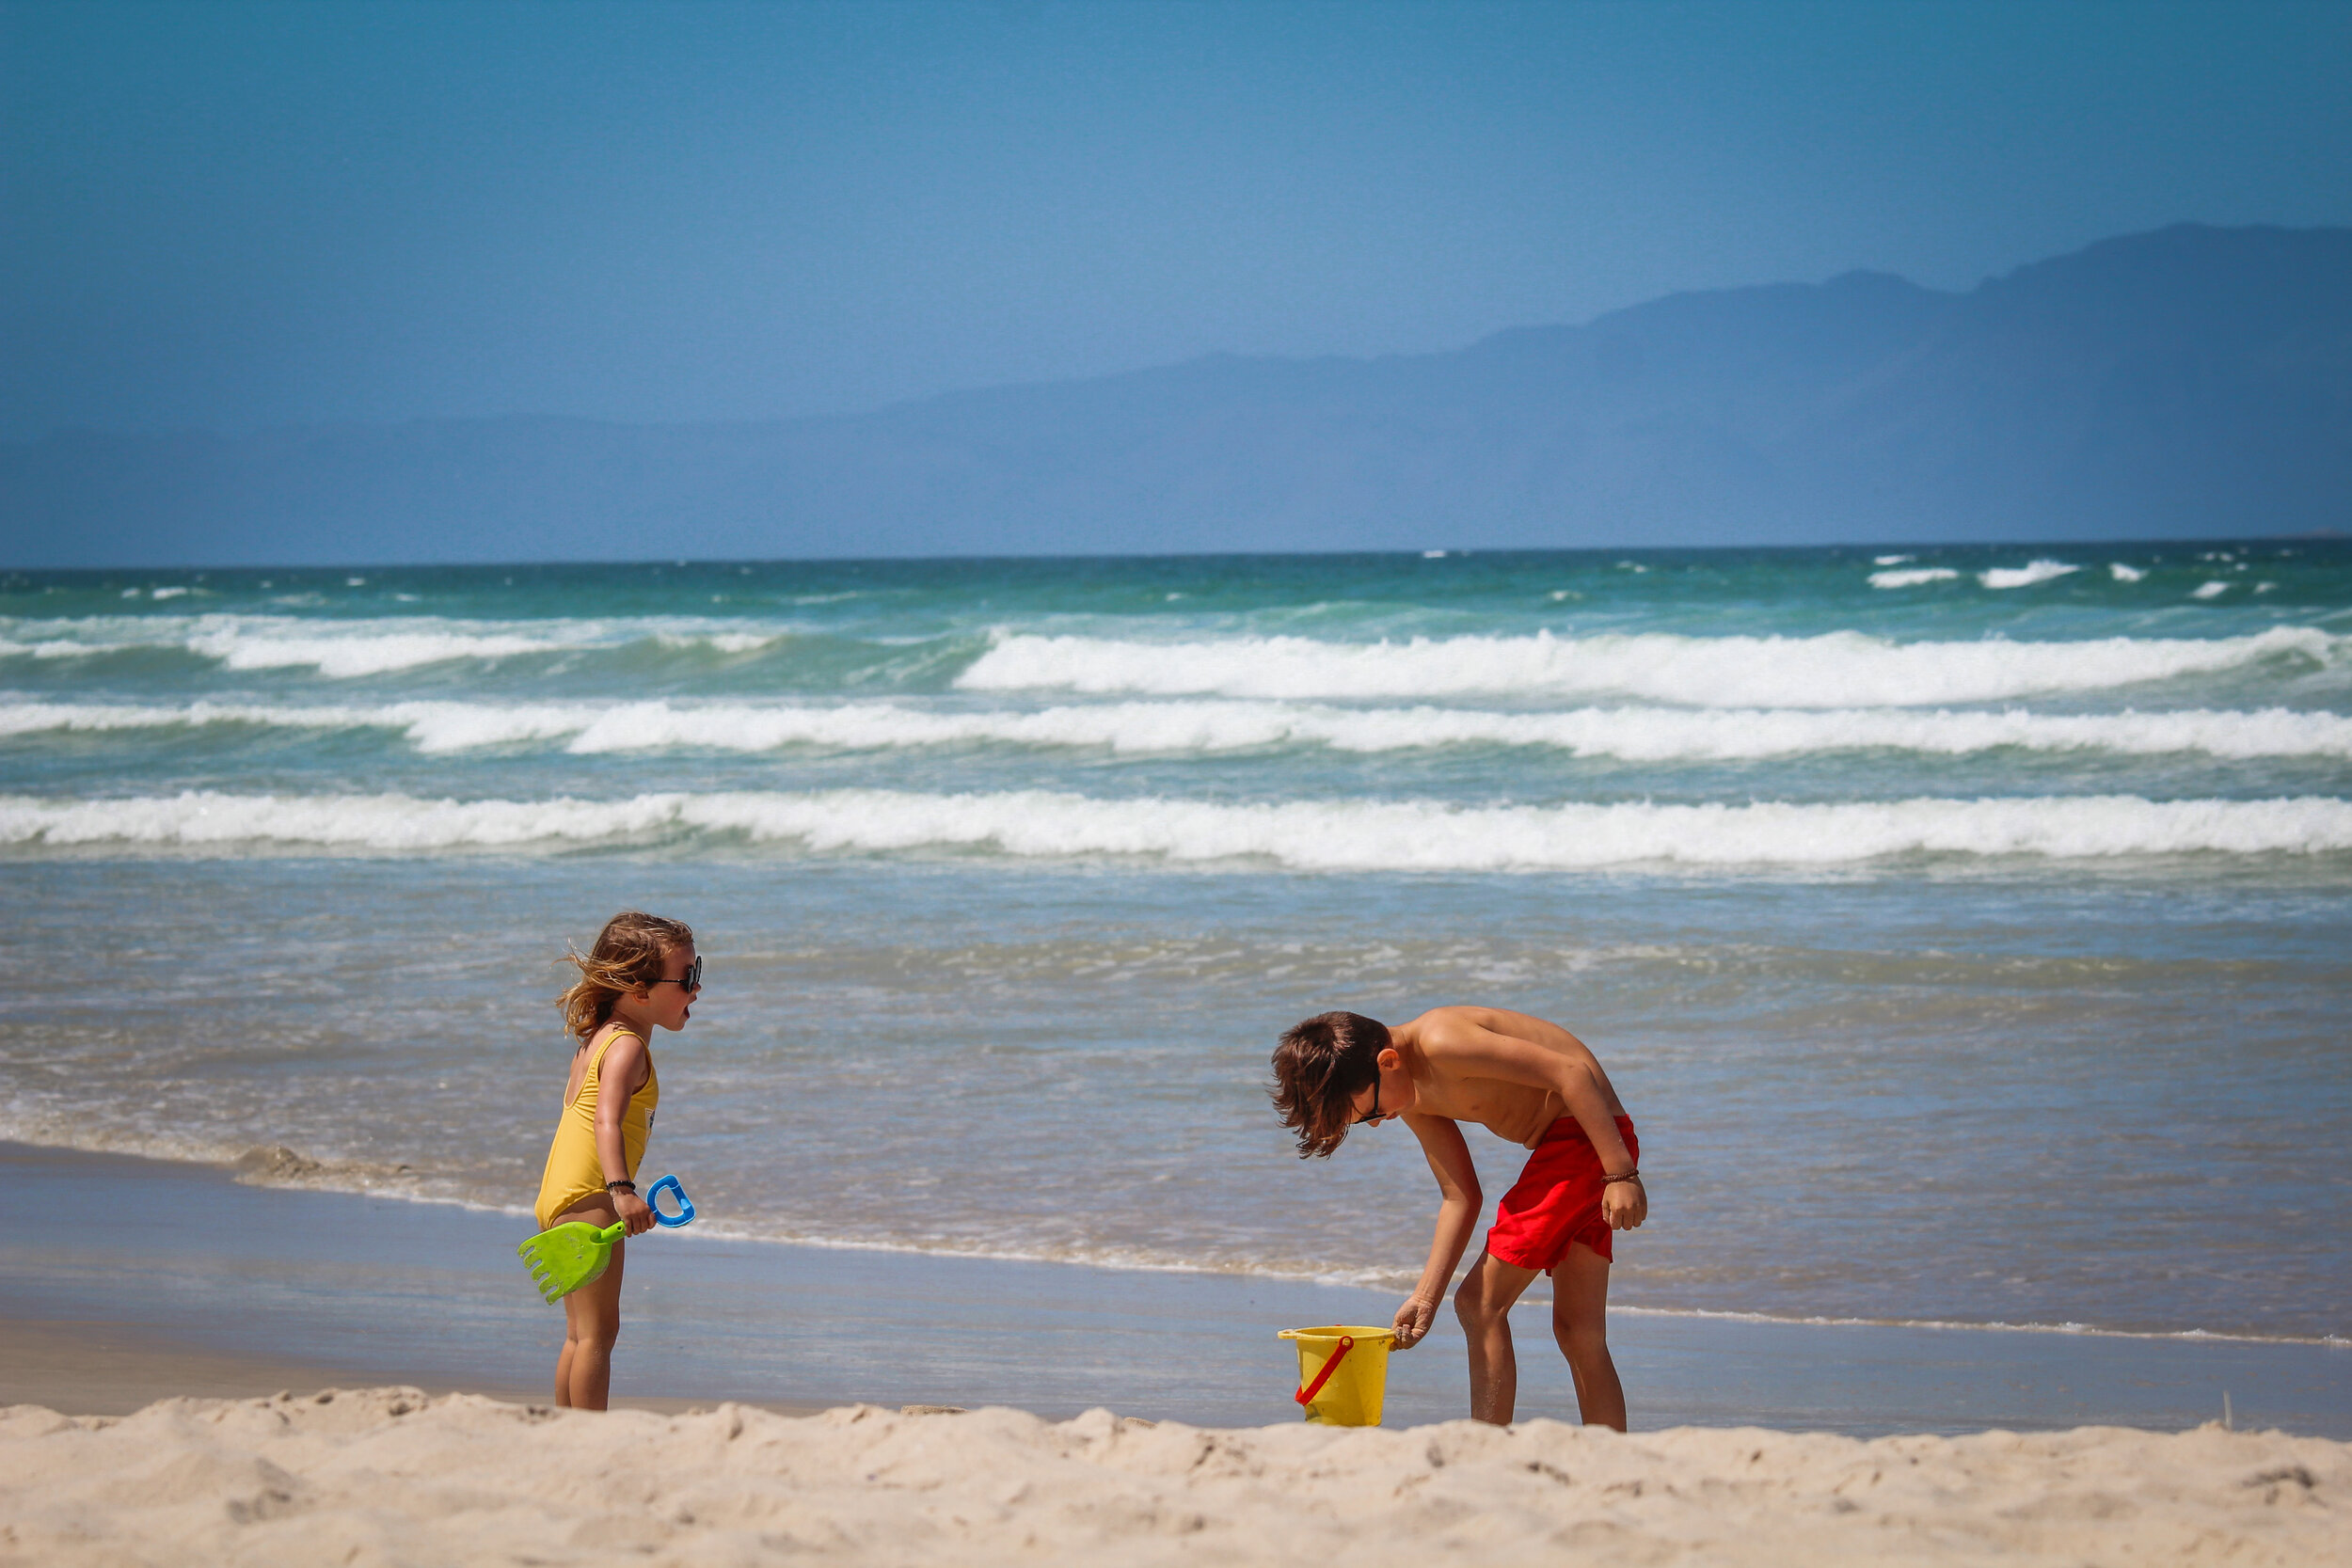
(630, 955)
(1320, 1066)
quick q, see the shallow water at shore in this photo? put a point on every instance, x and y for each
(2004, 1106)
(367, 1289)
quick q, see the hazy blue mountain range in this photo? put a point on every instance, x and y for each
(2191, 382)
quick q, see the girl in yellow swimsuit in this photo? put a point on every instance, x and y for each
(642, 974)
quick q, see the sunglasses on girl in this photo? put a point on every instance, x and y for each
(691, 979)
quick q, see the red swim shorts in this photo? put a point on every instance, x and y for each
(1556, 1200)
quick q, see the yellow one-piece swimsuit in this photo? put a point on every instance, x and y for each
(575, 1171)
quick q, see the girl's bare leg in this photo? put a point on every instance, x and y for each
(1580, 1320)
(591, 1321)
(1483, 1305)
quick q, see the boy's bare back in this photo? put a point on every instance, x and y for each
(1459, 1056)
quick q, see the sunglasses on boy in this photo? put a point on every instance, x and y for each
(1372, 1118)
(691, 979)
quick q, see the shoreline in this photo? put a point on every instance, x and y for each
(82, 1369)
(237, 1171)
(273, 1287)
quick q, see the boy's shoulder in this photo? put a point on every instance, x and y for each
(1471, 1029)
(1453, 1021)
(1461, 1017)
(1430, 1040)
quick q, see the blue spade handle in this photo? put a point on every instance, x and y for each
(685, 1214)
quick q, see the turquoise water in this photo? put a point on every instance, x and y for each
(1966, 931)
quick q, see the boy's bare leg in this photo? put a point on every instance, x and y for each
(591, 1321)
(1483, 1305)
(1580, 1320)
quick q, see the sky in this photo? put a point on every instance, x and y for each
(237, 216)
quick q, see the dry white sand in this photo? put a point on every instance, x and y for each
(388, 1475)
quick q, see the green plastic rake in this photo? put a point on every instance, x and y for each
(561, 1259)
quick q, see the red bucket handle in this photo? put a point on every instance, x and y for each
(1307, 1395)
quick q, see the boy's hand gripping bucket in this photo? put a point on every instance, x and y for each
(1342, 1373)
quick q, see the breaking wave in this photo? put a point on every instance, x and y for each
(346, 650)
(1837, 669)
(1362, 835)
(2027, 575)
(1181, 727)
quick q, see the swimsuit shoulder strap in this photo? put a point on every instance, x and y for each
(597, 1062)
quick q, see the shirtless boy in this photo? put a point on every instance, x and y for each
(1521, 1079)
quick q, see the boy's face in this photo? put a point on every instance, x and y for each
(1390, 1093)
(670, 1000)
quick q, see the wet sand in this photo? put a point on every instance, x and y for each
(103, 1370)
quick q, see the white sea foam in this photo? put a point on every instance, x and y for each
(722, 642)
(1358, 836)
(343, 650)
(2026, 575)
(2122, 573)
(342, 656)
(1665, 734)
(2209, 591)
(1186, 727)
(429, 726)
(1845, 669)
(1911, 577)
(48, 647)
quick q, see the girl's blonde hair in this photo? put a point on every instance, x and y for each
(630, 955)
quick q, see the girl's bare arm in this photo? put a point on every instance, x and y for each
(623, 1071)
(1449, 1157)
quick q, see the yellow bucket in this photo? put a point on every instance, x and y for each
(1342, 1373)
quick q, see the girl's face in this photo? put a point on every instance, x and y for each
(669, 1001)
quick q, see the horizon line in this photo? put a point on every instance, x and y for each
(1450, 552)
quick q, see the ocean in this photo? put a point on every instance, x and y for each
(1968, 930)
